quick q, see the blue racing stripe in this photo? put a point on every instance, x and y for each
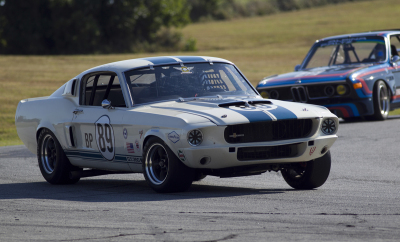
(350, 107)
(282, 113)
(89, 155)
(253, 115)
(161, 60)
(361, 94)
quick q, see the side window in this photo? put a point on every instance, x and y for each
(394, 45)
(98, 87)
(143, 86)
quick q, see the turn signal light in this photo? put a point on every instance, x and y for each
(357, 85)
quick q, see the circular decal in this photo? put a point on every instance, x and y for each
(105, 137)
(257, 108)
(266, 107)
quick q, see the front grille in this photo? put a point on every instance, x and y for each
(267, 152)
(299, 94)
(268, 131)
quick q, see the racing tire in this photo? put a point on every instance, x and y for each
(381, 99)
(162, 169)
(53, 163)
(198, 176)
(308, 175)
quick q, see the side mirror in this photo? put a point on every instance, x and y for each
(395, 58)
(297, 67)
(106, 104)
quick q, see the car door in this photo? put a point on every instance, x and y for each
(98, 131)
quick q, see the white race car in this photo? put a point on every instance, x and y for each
(176, 120)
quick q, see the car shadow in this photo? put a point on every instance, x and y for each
(110, 190)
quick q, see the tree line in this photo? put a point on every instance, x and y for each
(43, 27)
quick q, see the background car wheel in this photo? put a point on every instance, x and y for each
(162, 169)
(53, 163)
(308, 175)
(381, 96)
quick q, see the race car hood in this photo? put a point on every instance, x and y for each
(319, 74)
(236, 110)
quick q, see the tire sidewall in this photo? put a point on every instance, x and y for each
(62, 167)
(315, 175)
(376, 97)
(179, 176)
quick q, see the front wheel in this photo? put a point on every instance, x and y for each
(53, 163)
(308, 175)
(162, 169)
(381, 96)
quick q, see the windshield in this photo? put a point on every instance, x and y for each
(188, 81)
(347, 51)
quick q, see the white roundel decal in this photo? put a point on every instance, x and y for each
(267, 107)
(258, 108)
(105, 137)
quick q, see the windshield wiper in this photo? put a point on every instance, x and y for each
(181, 99)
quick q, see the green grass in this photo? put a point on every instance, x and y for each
(259, 46)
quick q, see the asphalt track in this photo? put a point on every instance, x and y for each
(359, 202)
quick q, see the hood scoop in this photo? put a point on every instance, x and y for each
(244, 103)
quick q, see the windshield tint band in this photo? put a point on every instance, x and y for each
(379, 40)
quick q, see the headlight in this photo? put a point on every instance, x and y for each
(341, 89)
(329, 91)
(328, 126)
(195, 137)
(274, 94)
(264, 94)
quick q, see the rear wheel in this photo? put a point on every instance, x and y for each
(162, 169)
(381, 96)
(308, 175)
(53, 163)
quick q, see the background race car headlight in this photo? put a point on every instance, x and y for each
(195, 137)
(341, 89)
(329, 91)
(328, 126)
(264, 94)
(274, 94)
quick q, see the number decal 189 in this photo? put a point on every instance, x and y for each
(105, 137)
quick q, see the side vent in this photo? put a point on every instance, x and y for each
(71, 136)
(73, 87)
(69, 90)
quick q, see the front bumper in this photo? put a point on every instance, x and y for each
(348, 108)
(223, 156)
(349, 105)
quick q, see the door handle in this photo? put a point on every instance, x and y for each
(76, 111)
